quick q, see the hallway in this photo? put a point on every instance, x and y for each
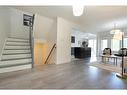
(75, 75)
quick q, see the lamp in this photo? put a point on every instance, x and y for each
(77, 10)
(119, 35)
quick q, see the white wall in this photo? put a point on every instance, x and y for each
(64, 29)
(45, 32)
(17, 28)
(43, 28)
(49, 31)
(4, 25)
(78, 41)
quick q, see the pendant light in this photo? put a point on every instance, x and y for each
(77, 10)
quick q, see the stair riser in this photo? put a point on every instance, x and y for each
(15, 56)
(12, 62)
(11, 39)
(15, 68)
(16, 43)
(17, 47)
(15, 51)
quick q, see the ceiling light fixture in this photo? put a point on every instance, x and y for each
(115, 30)
(77, 10)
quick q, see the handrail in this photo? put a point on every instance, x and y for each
(54, 46)
(2, 49)
(31, 39)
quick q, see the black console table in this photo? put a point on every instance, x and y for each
(80, 52)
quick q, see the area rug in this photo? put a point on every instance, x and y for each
(108, 67)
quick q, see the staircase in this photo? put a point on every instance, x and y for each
(16, 55)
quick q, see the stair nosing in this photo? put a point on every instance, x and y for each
(4, 66)
(15, 45)
(18, 49)
(18, 41)
(18, 38)
(15, 59)
(15, 53)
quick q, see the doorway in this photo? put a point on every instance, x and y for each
(93, 45)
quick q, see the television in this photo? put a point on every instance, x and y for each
(72, 39)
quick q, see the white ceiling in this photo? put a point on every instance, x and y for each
(94, 19)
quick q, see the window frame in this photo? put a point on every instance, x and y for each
(102, 47)
(112, 47)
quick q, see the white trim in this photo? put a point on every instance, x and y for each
(15, 68)
(3, 49)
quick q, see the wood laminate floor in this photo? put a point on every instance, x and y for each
(74, 75)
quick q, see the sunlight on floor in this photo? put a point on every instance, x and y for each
(116, 81)
(93, 59)
(93, 71)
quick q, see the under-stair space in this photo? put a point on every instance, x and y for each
(16, 55)
(50, 55)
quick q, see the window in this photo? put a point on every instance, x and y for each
(104, 44)
(115, 44)
(125, 43)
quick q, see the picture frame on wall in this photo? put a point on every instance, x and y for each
(72, 39)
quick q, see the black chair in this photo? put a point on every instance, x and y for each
(107, 51)
(120, 52)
